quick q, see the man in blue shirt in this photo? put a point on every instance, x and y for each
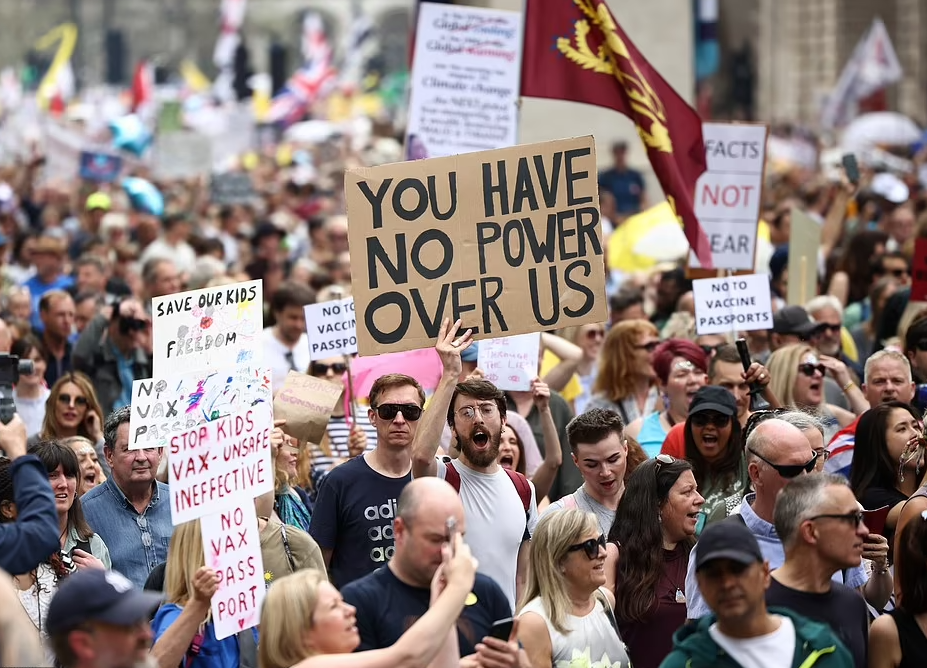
(626, 184)
(131, 511)
(48, 257)
(393, 597)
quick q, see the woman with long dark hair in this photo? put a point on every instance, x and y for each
(653, 533)
(714, 447)
(888, 461)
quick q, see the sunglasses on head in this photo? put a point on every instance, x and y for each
(591, 547)
(808, 369)
(319, 369)
(662, 460)
(790, 470)
(66, 399)
(758, 417)
(410, 412)
(855, 518)
(706, 418)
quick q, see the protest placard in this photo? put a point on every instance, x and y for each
(464, 81)
(212, 328)
(509, 241)
(732, 303)
(510, 362)
(331, 328)
(231, 188)
(804, 246)
(727, 195)
(99, 167)
(166, 407)
(214, 466)
(306, 403)
(232, 547)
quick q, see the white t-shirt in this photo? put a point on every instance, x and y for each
(275, 356)
(774, 650)
(495, 522)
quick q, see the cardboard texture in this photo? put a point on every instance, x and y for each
(306, 403)
(509, 241)
(804, 242)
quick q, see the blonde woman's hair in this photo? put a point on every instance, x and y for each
(783, 370)
(287, 614)
(184, 558)
(615, 382)
(550, 545)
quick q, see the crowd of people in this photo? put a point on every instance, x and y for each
(650, 500)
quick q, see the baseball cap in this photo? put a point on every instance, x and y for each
(94, 595)
(890, 187)
(793, 320)
(728, 539)
(99, 201)
(713, 398)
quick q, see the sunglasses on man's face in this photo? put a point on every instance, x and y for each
(809, 369)
(591, 547)
(854, 518)
(319, 369)
(824, 327)
(410, 412)
(702, 420)
(790, 471)
(897, 273)
(66, 399)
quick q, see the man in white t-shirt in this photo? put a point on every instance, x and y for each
(286, 345)
(600, 452)
(500, 506)
(733, 578)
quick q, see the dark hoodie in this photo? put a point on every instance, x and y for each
(816, 646)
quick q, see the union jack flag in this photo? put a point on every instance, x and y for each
(841, 448)
(310, 82)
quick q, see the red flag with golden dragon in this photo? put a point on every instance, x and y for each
(574, 67)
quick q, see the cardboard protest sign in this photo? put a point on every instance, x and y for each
(509, 241)
(331, 328)
(231, 188)
(464, 81)
(166, 407)
(232, 547)
(99, 167)
(511, 362)
(804, 245)
(212, 328)
(306, 403)
(214, 466)
(732, 303)
(919, 271)
(727, 195)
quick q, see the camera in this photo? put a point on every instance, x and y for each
(11, 368)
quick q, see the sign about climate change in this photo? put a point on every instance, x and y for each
(215, 466)
(465, 81)
(509, 241)
(165, 407)
(728, 194)
(212, 328)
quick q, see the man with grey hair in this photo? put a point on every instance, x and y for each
(823, 533)
(887, 378)
(131, 511)
(778, 452)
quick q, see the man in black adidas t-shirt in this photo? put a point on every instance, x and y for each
(393, 597)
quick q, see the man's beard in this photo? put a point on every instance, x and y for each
(829, 349)
(481, 458)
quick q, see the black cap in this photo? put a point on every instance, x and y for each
(95, 595)
(266, 229)
(728, 539)
(713, 398)
(793, 320)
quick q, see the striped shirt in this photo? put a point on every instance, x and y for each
(338, 434)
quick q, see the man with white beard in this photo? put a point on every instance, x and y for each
(97, 619)
(499, 505)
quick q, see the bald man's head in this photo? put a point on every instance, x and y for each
(775, 443)
(427, 496)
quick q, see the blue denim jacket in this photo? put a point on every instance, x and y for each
(137, 542)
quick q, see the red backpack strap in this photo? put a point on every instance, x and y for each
(452, 476)
(521, 484)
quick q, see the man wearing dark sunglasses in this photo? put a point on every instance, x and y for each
(827, 312)
(353, 516)
(823, 532)
(777, 453)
